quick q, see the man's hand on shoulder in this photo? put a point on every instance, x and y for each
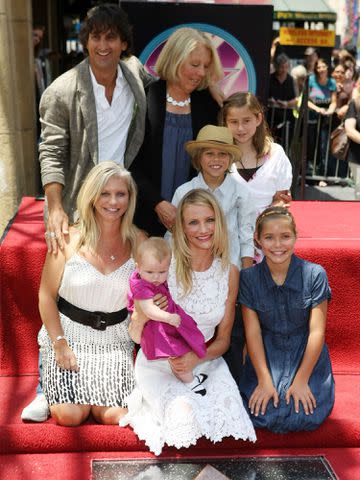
(57, 229)
(58, 222)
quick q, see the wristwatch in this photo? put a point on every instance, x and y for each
(58, 338)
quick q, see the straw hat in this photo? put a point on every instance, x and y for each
(211, 136)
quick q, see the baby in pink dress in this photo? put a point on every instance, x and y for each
(170, 332)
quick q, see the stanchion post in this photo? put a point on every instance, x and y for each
(305, 118)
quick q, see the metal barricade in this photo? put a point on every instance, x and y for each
(318, 164)
(321, 164)
(280, 124)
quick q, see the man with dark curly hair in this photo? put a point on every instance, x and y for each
(93, 112)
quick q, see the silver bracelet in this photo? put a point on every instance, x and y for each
(57, 339)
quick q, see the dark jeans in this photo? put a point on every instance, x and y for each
(317, 142)
(234, 355)
(342, 167)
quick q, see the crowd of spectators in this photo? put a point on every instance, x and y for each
(332, 85)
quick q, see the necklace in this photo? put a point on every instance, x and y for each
(249, 168)
(182, 103)
(109, 256)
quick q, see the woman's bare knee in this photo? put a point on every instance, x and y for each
(69, 415)
(108, 415)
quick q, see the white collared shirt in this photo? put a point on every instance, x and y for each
(113, 121)
(233, 197)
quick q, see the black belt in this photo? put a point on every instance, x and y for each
(96, 320)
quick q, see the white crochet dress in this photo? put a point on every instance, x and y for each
(162, 409)
(105, 358)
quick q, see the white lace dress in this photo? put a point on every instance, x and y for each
(105, 357)
(162, 409)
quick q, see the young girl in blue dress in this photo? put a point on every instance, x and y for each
(287, 381)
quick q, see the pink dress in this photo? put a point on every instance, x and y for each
(159, 339)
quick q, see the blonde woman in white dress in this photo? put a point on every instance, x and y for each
(162, 410)
(86, 349)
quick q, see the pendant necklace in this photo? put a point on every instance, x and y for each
(182, 103)
(107, 255)
(249, 168)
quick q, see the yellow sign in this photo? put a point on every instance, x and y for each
(303, 16)
(313, 38)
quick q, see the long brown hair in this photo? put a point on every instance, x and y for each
(320, 60)
(262, 139)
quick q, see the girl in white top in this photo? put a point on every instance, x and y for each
(263, 165)
(212, 154)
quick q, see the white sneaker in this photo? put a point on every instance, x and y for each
(37, 410)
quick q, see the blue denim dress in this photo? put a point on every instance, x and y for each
(284, 313)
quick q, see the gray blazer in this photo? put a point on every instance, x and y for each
(69, 134)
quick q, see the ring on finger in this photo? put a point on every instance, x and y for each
(52, 234)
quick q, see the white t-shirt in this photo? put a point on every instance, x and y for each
(233, 197)
(113, 121)
(275, 174)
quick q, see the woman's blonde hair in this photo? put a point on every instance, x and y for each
(90, 192)
(182, 250)
(262, 139)
(176, 50)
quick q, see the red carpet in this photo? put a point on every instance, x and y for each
(341, 429)
(337, 249)
(329, 233)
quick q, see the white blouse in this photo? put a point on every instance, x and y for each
(275, 174)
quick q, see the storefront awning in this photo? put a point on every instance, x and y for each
(303, 10)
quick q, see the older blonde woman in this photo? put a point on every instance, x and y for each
(86, 350)
(179, 104)
(162, 410)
